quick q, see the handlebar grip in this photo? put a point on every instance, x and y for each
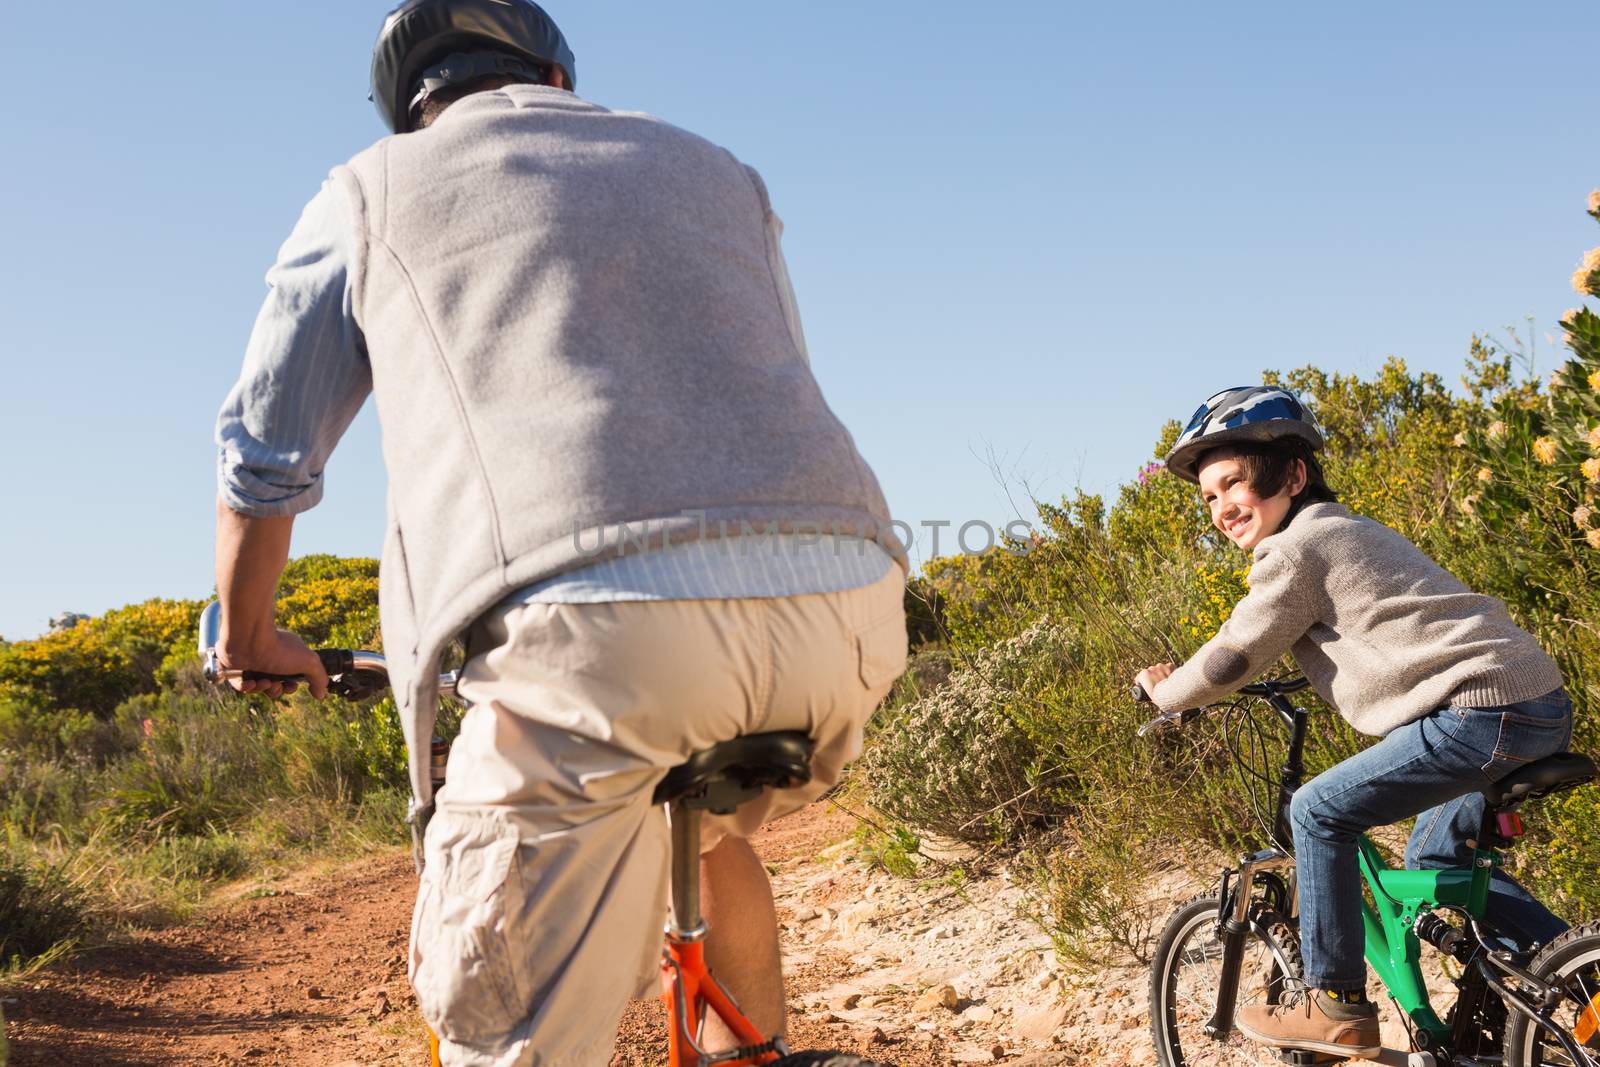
(265, 676)
(1138, 694)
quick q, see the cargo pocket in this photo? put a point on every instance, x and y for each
(461, 962)
(881, 648)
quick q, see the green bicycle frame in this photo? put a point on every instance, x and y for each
(1398, 898)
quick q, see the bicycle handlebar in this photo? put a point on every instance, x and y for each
(1254, 689)
(352, 673)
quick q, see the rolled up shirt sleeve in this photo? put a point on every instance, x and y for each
(305, 373)
(1280, 607)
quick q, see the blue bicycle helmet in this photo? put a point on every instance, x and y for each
(1244, 413)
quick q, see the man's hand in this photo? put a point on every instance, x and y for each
(1152, 676)
(251, 553)
(279, 652)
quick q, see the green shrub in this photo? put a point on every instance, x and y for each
(380, 744)
(958, 762)
(42, 798)
(203, 763)
(40, 907)
(214, 856)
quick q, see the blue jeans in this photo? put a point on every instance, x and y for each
(1434, 766)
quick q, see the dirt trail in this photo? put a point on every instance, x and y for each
(910, 972)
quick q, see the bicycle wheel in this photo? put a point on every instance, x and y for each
(1572, 962)
(1183, 985)
(824, 1059)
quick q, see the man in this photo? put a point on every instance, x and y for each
(610, 462)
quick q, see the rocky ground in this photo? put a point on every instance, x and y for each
(910, 971)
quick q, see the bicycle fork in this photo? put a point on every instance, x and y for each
(1234, 926)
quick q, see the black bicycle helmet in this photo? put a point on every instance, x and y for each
(453, 41)
(1244, 413)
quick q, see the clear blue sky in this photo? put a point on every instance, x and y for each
(1031, 231)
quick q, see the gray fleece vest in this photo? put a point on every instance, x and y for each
(581, 345)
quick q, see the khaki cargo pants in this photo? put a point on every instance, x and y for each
(541, 905)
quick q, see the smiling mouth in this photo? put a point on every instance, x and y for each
(1237, 525)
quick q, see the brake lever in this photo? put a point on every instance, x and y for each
(357, 684)
(1168, 718)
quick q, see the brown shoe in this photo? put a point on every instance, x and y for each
(1314, 1021)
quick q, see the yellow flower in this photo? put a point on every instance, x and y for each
(1593, 537)
(1485, 474)
(1545, 449)
(1591, 468)
(1570, 316)
(1594, 201)
(1460, 439)
(1594, 380)
(1592, 438)
(1497, 430)
(1581, 515)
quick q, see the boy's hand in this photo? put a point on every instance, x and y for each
(1148, 678)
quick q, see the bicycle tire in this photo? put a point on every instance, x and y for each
(1189, 951)
(1572, 957)
(825, 1059)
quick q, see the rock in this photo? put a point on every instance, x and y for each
(980, 1013)
(977, 1053)
(940, 996)
(844, 1001)
(805, 914)
(852, 919)
(1038, 1022)
(875, 1036)
(315, 993)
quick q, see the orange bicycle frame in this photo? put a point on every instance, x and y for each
(688, 989)
(690, 994)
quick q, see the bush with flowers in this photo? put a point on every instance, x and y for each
(108, 732)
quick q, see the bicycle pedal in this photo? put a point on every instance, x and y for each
(1302, 1058)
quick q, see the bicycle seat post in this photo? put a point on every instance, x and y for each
(687, 923)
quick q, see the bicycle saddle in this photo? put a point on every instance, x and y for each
(1561, 771)
(733, 771)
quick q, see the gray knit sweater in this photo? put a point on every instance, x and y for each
(1382, 632)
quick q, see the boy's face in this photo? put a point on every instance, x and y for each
(1242, 514)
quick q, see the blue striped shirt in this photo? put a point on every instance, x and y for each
(306, 374)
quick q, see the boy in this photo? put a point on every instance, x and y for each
(1459, 693)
